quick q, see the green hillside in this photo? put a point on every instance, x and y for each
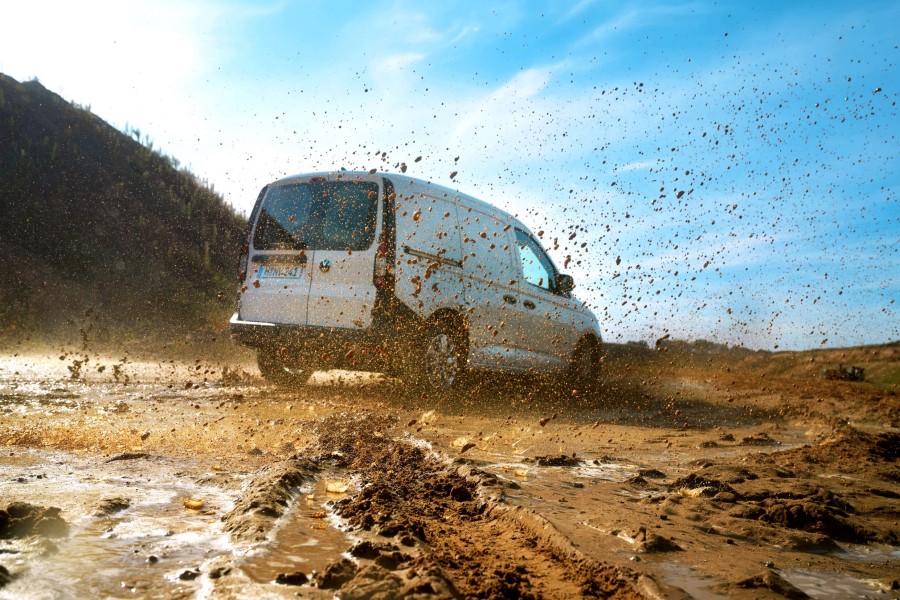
(101, 232)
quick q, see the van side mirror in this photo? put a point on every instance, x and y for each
(564, 283)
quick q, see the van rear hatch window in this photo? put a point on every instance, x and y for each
(324, 215)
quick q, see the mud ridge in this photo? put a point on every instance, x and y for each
(267, 498)
(454, 535)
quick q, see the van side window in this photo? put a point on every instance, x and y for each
(536, 266)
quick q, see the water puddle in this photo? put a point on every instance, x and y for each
(551, 489)
(832, 586)
(139, 550)
(871, 554)
(309, 537)
(565, 476)
(156, 546)
(690, 580)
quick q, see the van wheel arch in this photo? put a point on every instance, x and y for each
(583, 375)
(453, 319)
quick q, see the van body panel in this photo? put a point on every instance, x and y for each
(490, 284)
(429, 255)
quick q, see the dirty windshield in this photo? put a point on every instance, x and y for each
(438, 298)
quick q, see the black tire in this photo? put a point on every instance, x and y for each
(583, 376)
(276, 370)
(436, 364)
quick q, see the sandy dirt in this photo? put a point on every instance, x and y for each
(712, 476)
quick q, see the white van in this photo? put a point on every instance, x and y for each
(385, 272)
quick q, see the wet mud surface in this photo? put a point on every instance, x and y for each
(182, 480)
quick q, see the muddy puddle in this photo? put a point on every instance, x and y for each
(308, 538)
(131, 533)
(129, 529)
(833, 586)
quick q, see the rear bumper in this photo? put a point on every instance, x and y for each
(259, 335)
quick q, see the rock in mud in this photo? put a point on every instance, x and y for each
(370, 550)
(109, 506)
(128, 456)
(5, 576)
(703, 486)
(774, 582)
(813, 516)
(557, 461)
(337, 574)
(219, 572)
(295, 578)
(808, 542)
(652, 474)
(392, 560)
(22, 520)
(811, 510)
(647, 542)
(762, 439)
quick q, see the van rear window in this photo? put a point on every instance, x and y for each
(327, 215)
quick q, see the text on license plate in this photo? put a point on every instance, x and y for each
(279, 271)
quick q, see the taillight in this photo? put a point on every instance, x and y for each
(242, 261)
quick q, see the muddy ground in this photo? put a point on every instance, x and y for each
(711, 477)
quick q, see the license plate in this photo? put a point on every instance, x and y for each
(280, 271)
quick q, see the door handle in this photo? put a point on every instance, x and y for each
(528, 304)
(509, 299)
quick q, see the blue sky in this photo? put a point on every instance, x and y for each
(729, 170)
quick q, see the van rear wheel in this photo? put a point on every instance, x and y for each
(276, 370)
(437, 365)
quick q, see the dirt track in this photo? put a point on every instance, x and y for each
(712, 478)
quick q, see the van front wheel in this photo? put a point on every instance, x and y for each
(276, 370)
(583, 376)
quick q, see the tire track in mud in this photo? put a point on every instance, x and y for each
(427, 526)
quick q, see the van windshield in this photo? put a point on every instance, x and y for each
(327, 215)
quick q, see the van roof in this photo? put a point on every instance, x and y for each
(402, 182)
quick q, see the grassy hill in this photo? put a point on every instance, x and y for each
(102, 236)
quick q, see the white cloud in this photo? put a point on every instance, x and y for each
(400, 61)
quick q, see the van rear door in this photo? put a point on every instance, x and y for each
(340, 225)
